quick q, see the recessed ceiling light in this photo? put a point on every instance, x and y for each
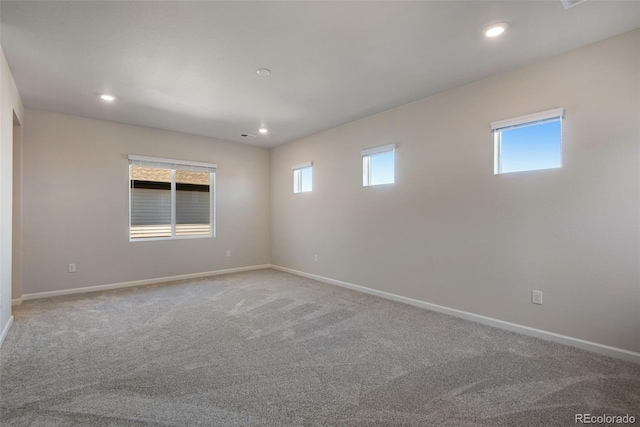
(263, 130)
(495, 30)
(106, 97)
(263, 72)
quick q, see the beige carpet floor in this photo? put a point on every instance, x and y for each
(266, 348)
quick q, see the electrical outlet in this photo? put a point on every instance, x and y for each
(72, 268)
(228, 253)
(315, 258)
(536, 297)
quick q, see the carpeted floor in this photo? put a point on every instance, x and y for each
(270, 348)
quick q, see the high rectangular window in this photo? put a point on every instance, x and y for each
(302, 177)
(531, 142)
(378, 165)
(170, 199)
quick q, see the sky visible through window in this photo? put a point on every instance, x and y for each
(532, 148)
(302, 179)
(382, 168)
(306, 179)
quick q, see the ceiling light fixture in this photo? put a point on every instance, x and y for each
(263, 72)
(263, 130)
(495, 30)
(108, 98)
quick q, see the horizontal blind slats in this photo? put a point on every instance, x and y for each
(150, 207)
(151, 201)
(192, 207)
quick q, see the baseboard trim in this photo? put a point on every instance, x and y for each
(38, 295)
(5, 331)
(16, 301)
(606, 350)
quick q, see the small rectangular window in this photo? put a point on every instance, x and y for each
(170, 199)
(302, 177)
(378, 165)
(526, 143)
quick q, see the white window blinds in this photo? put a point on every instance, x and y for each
(528, 120)
(170, 198)
(159, 163)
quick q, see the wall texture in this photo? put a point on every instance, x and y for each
(10, 104)
(450, 232)
(75, 204)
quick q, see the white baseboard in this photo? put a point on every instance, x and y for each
(38, 295)
(16, 301)
(5, 331)
(606, 350)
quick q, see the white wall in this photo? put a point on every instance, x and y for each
(10, 104)
(75, 204)
(452, 233)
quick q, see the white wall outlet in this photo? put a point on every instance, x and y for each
(228, 253)
(315, 258)
(72, 268)
(536, 297)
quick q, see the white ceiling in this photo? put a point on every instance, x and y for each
(191, 66)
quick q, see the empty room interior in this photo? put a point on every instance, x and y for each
(320, 213)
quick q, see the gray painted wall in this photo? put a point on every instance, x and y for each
(16, 244)
(452, 233)
(10, 104)
(75, 183)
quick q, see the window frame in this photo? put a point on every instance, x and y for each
(366, 163)
(172, 164)
(297, 183)
(535, 119)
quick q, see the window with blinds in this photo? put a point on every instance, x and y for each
(170, 199)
